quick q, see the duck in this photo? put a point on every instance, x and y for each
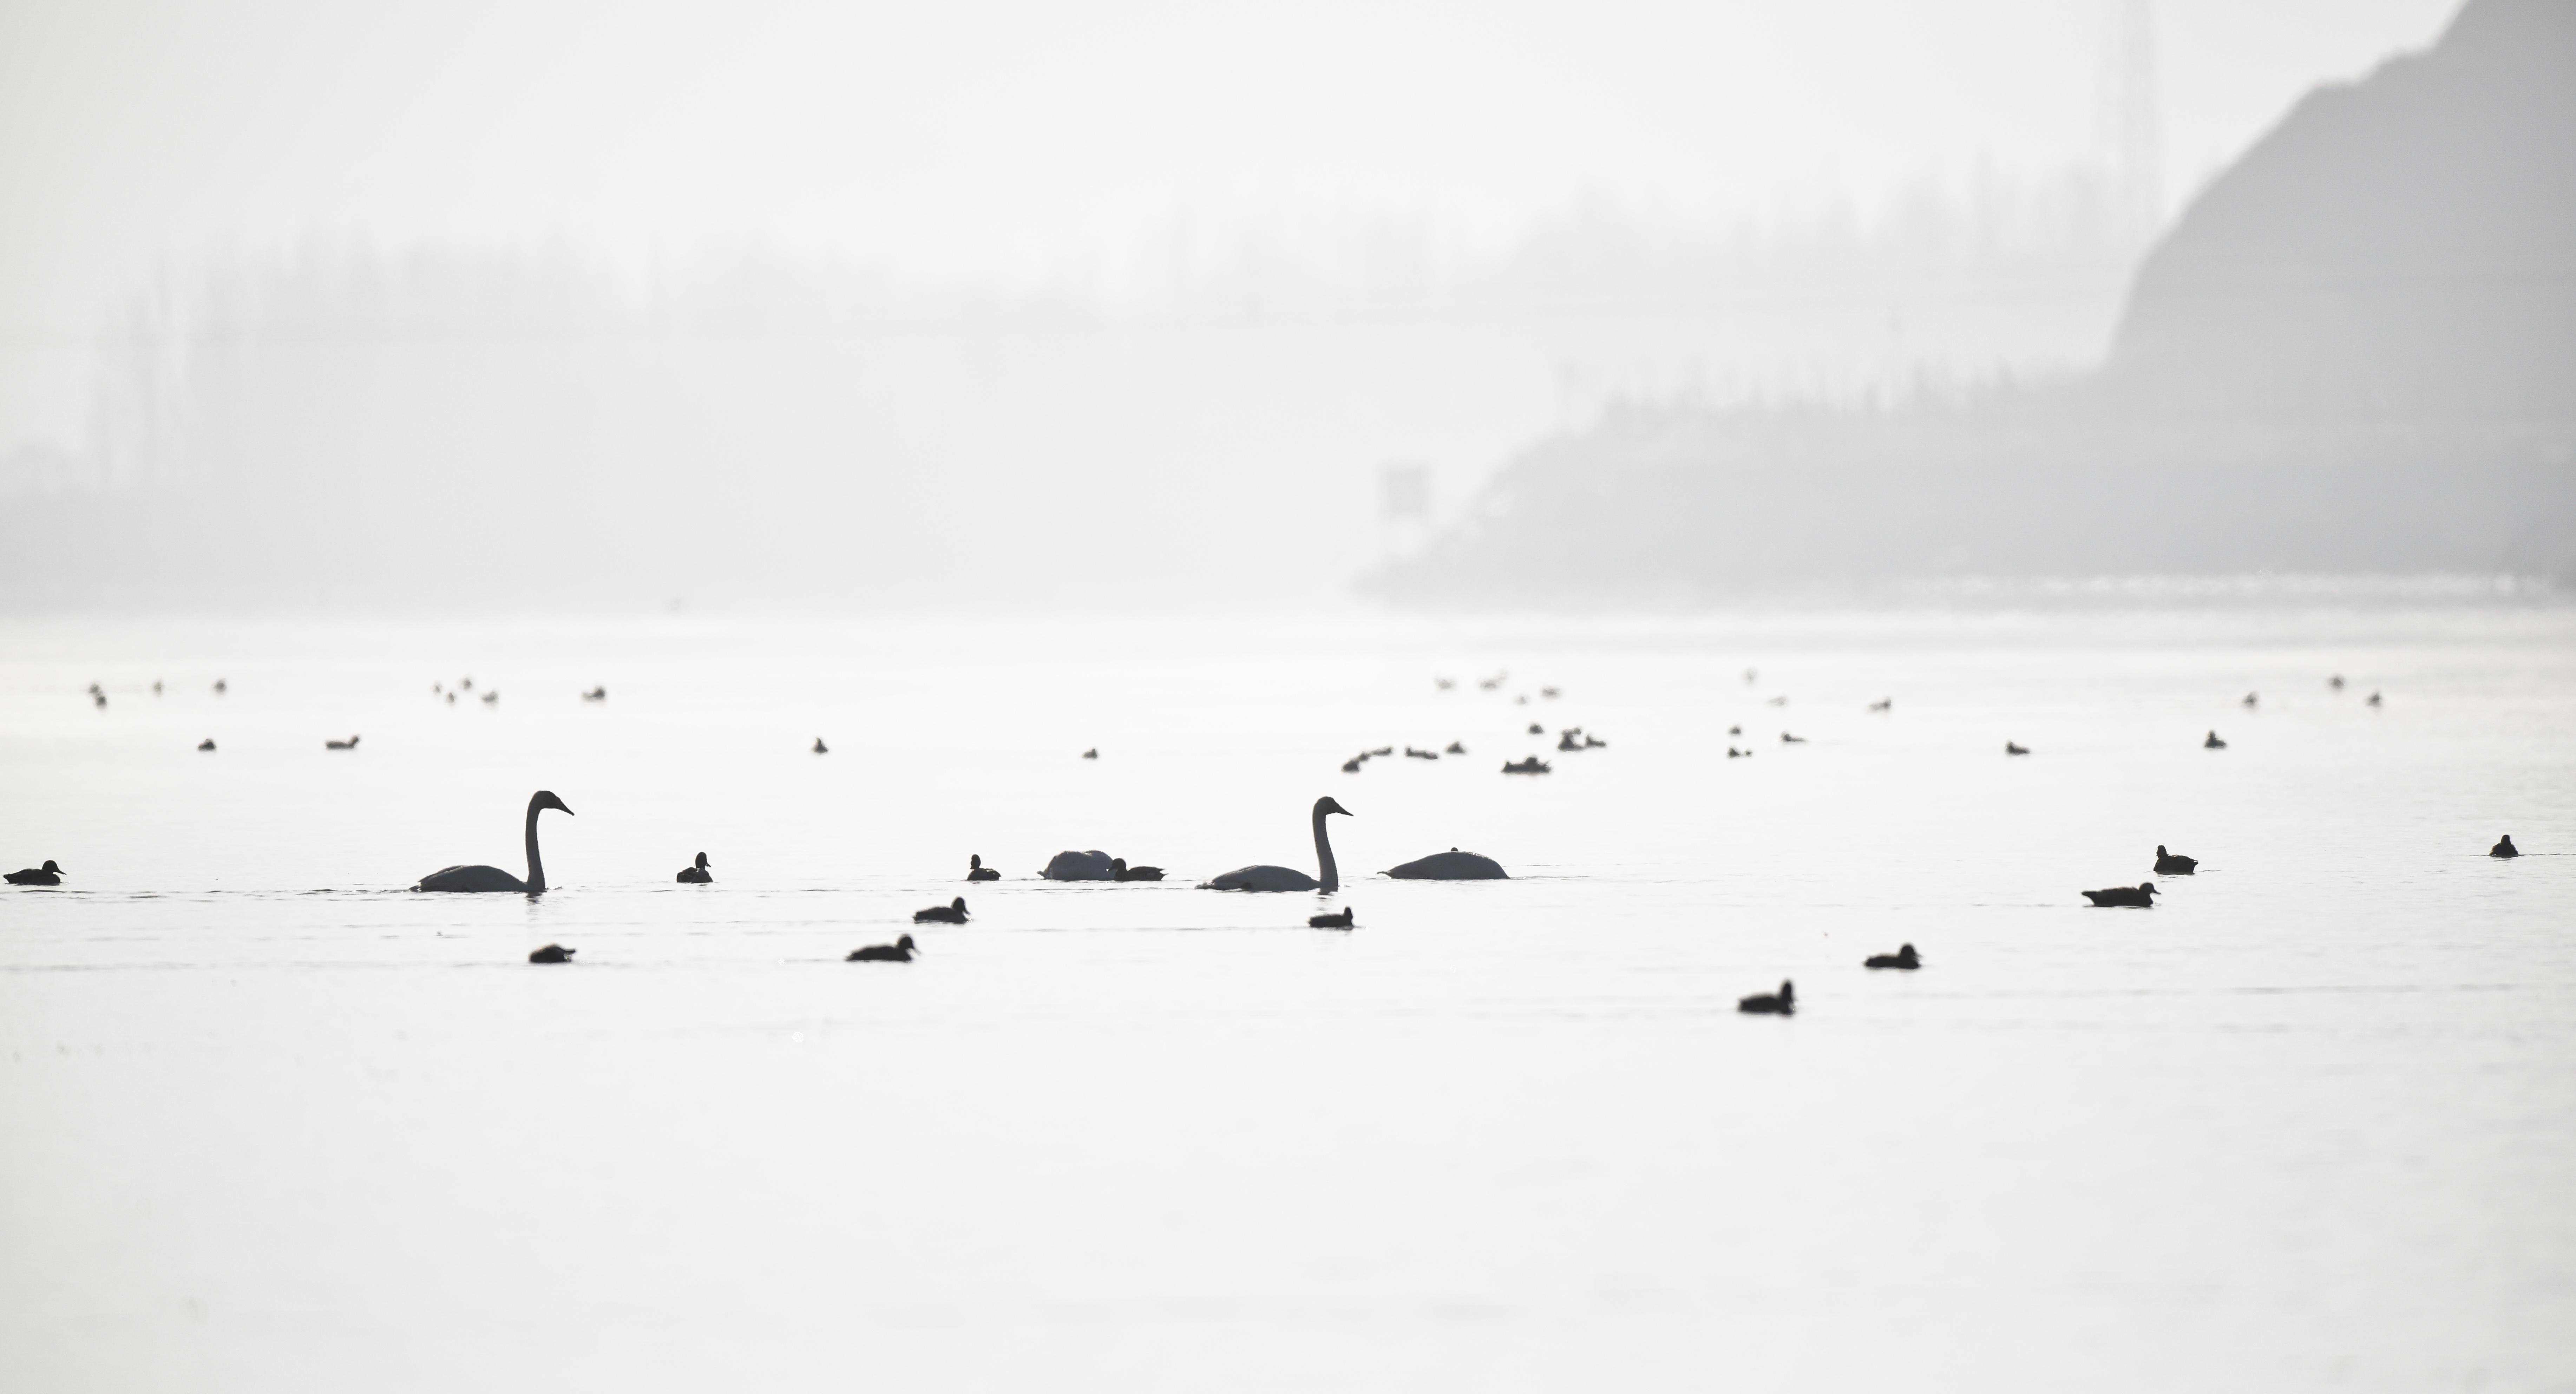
(1094, 865)
(954, 912)
(1734, 754)
(1904, 958)
(1119, 870)
(1883, 704)
(1787, 739)
(1091, 754)
(2015, 748)
(900, 951)
(2167, 864)
(1532, 765)
(207, 744)
(596, 694)
(1593, 742)
(2213, 742)
(820, 748)
(2250, 699)
(1781, 1003)
(1735, 730)
(1537, 730)
(1281, 878)
(1340, 921)
(1382, 750)
(492, 698)
(1444, 684)
(2335, 682)
(1549, 693)
(46, 875)
(977, 871)
(2504, 848)
(1413, 754)
(2140, 895)
(493, 878)
(697, 874)
(1456, 748)
(1566, 740)
(1452, 865)
(1352, 765)
(552, 953)
(2374, 700)
(220, 687)
(349, 744)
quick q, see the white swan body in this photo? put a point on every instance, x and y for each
(1080, 866)
(1282, 878)
(493, 878)
(1452, 865)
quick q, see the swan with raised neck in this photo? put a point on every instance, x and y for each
(1281, 878)
(493, 878)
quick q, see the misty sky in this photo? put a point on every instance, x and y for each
(1005, 141)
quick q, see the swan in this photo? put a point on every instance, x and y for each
(900, 951)
(1904, 957)
(1119, 870)
(1452, 865)
(1093, 865)
(52, 875)
(977, 871)
(2503, 848)
(1781, 1003)
(1340, 921)
(2167, 864)
(1280, 878)
(954, 912)
(2213, 743)
(493, 878)
(552, 953)
(698, 875)
(349, 744)
(207, 744)
(2015, 748)
(2140, 895)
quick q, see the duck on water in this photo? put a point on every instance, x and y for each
(900, 951)
(2141, 895)
(493, 878)
(1904, 958)
(2503, 848)
(954, 912)
(697, 875)
(2167, 864)
(46, 875)
(1781, 1003)
(977, 871)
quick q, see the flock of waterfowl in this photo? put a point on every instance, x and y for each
(1094, 865)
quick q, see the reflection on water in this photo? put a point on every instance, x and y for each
(268, 1121)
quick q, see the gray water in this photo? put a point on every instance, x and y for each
(268, 1121)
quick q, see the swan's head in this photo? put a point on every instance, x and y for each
(546, 799)
(1326, 805)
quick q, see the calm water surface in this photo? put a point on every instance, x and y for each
(270, 1122)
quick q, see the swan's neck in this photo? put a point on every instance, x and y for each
(1332, 877)
(536, 864)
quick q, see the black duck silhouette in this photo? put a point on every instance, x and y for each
(207, 744)
(2504, 848)
(552, 953)
(1781, 1003)
(1091, 754)
(2141, 895)
(349, 744)
(46, 875)
(1537, 730)
(1904, 958)
(1119, 870)
(697, 874)
(1413, 754)
(1532, 765)
(1455, 748)
(596, 694)
(1340, 921)
(2374, 700)
(1352, 765)
(2167, 864)
(820, 748)
(1787, 739)
(2014, 748)
(977, 871)
(954, 912)
(1883, 704)
(2250, 699)
(900, 951)
(2213, 742)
